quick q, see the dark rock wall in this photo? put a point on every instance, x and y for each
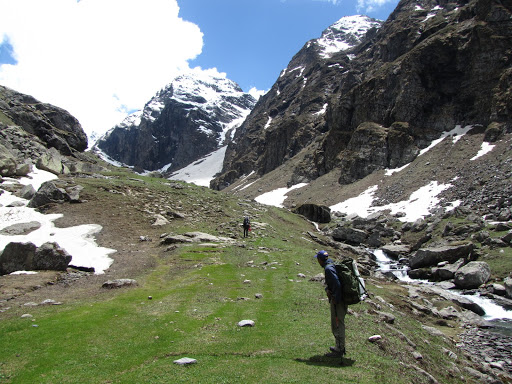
(423, 72)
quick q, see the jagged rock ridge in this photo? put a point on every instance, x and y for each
(191, 117)
(432, 65)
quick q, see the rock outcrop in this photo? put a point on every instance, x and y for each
(54, 126)
(430, 67)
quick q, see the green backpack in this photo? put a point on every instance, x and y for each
(352, 284)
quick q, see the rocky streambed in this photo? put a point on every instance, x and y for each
(487, 337)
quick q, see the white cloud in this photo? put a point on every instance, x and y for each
(256, 93)
(368, 6)
(98, 59)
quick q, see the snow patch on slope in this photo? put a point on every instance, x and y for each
(419, 204)
(201, 172)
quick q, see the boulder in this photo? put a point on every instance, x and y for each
(23, 170)
(50, 256)
(447, 272)
(74, 193)
(508, 286)
(51, 161)
(7, 162)
(472, 275)
(466, 303)
(27, 192)
(507, 238)
(314, 212)
(349, 235)
(48, 193)
(420, 273)
(427, 257)
(396, 250)
(20, 229)
(17, 257)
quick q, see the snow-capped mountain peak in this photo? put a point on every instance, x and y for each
(345, 34)
(186, 120)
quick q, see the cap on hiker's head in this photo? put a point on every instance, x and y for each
(322, 255)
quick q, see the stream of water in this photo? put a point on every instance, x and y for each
(493, 312)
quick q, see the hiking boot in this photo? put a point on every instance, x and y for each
(333, 354)
(337, 350)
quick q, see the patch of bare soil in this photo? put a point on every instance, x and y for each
(123, 226)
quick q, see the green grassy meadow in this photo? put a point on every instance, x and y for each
(198, 295)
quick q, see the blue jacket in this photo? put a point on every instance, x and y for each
(332, 282)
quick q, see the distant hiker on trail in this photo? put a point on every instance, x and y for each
(338, 307)
(247, 226)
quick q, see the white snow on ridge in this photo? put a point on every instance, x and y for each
(201, 172)
(354, 26)
(419, 204)
(277, 197)
(78, 241)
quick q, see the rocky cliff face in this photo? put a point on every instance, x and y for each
(431, 66)
(35, 133)
(292, 114)
(191, 117)
(54, 126)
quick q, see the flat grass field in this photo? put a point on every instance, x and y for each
(188, 303)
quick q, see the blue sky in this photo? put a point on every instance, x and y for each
(101, 59)
(253, 40)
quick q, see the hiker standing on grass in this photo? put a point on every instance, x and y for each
(338, 307)
(246, 225)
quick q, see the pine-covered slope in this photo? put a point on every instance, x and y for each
(188, 119)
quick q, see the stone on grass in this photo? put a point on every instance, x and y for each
(246, 323)
(185, 361)
(119, 283)
(374, 338)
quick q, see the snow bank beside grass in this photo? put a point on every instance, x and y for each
(78, 241)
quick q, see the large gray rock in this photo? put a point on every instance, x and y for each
(27, 192)
(427, 257)
(51, 161)
(50, 256)
(17, 257)
(7, 162)
(472, 275)
(349, 235)
(447, 272)
(20, 228)
(508, 286)
(48, 193)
